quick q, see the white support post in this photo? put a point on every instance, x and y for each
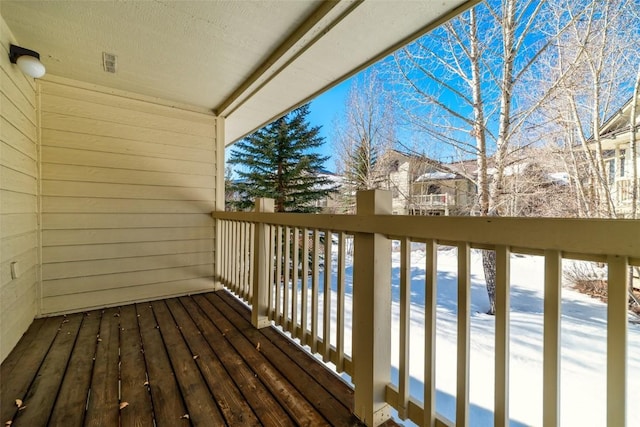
(372, 312)
(260, 283)
(219, 203)
(617, 319)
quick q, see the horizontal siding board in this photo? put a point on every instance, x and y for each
(89, 126)
(18, 119)
(124, 250)
(82, 141)
(13, 202)
(95, 205)
(10, 246)
(16, 139)
(18, 224)
(111, 297)
(98, 97)
(63, 172)
(87, 268)
(16, 319)
(73, 221)
(18, 198)
(124, 280)
(16, 290)
(130, 235)
(127, 190)
(124, 191)
(26, 261)
(18, 182)
(25, 104)
(17, 160)
(68, 156)
(107, 113)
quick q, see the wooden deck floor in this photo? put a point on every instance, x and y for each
(184, 361)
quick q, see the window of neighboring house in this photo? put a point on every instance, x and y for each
(395, 166)
(622, 162)
(612, 170)
(395, 193)
(433, 189)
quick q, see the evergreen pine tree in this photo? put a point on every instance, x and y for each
(277, 161)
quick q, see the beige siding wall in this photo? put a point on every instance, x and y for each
(18, 199)
(127, 190)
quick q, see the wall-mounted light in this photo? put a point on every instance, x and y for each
(27, 60)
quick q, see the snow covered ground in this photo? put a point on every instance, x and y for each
(583, 365)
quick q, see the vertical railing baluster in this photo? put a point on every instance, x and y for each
(231, 257)
(294, 282)
(271, 268)
(227, 264)
(326, 330)
(551, 349)
(239, 256)
(247, 255)
(304, 316)
(252, 255)
(287, 275)
(340, 306)
(278, 315)
(405, 310)
(314, 290)
(236, 253)
(464, 306)
(430, 300)
(617, 318)
(224, 253)
(501, 396)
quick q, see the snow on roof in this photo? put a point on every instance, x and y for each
(437, 175)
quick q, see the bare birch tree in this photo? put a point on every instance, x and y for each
(366, 131)
(462, 83)
(592, 66)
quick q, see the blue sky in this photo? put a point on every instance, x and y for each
(324, 111)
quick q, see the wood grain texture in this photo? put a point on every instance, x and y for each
(171, 358)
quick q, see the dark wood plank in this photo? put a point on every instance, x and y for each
(72, 398)
(15, 357)
(230, 401)
(23, 373)
(289, 397)
(201, 407)
(321, 373)
(103, 408)
(41, 396)
(168, 406)
(324, 402)
(264, 405)
(133, 373)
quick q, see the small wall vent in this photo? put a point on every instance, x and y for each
(109, 61)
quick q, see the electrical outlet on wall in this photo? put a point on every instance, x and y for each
(15, 272)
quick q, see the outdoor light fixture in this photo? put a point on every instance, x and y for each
(27, 60)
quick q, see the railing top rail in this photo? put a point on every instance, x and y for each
(568, 235)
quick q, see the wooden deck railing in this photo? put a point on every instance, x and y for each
(274, 262)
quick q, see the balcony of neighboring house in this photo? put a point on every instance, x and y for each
(128, 295)
(429, 204)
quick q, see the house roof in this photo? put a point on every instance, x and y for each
(248, 61)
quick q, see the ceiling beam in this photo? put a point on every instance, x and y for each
(319, 23)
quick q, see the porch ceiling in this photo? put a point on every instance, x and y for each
(248, 61)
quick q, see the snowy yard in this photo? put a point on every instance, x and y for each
(583, 365)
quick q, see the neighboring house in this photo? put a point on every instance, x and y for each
(331, 203)
(615, 137)
(423, 186)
